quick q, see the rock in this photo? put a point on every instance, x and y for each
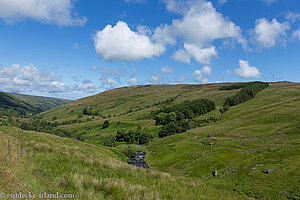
(210, 144)
(268, 171)
(197, 137)
(215, 173)
(254, 168)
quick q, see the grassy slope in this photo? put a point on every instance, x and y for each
(117, 101)
(44, 103)
(90, 172)
(261, 133)
(10, 105)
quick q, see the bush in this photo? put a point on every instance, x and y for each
(145, 138)
(129, 152)
(105, 124)
(109, 141)
(169, 129)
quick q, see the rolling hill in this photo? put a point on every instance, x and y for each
(43, 103)
(252, 151)
(12, 104)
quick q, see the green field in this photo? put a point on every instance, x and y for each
(262, 133)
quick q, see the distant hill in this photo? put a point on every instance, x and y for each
(43, 103)
(21, 105)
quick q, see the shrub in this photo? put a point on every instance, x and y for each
(145, 138)
(169, 129)
(129, 152)
(109, 141)
(105, 124)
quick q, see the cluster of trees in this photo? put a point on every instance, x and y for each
(87, 111)
(47, 127)
(133, 136)
(240, 85)
(175, 118)
(245, 94)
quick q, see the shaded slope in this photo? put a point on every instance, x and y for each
(43, 103)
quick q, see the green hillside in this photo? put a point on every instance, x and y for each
(249, 145)
(43, 103)
(39, 162)
(10, 105)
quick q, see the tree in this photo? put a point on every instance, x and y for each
(85, 111)
(129, 152)
(109, 141)
(169, 129)
(145, 138)
(105, 124)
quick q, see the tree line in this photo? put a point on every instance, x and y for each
(248, 92)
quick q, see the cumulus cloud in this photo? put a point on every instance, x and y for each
(203, 74)
(201, 55)
(182, 56)
(167, 69)
(296, 34)
(28, 79)
(156, 78)
(200, 24)
(132, 81)
(54, 11)
(268, 34)
(247, 71)
(121, 43)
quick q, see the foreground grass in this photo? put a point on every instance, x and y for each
(53, 164)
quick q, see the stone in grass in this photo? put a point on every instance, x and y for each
(215, 173)
(268, 171)
(210, 144)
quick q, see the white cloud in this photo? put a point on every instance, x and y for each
(200, 25)
(181, 78)
(247, 71)
(156, 78)
(46, 11)
(182, 56)
(201, 55)
(107, 83)
(292, 16)
(29, 79)
(167, 69)
(222, 1)
(95, 68)
(132, 81)
(203, 74)
(121, 43)
(269, 1)
(296, 34)
(268, 34)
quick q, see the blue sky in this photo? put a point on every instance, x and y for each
(72, 49)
